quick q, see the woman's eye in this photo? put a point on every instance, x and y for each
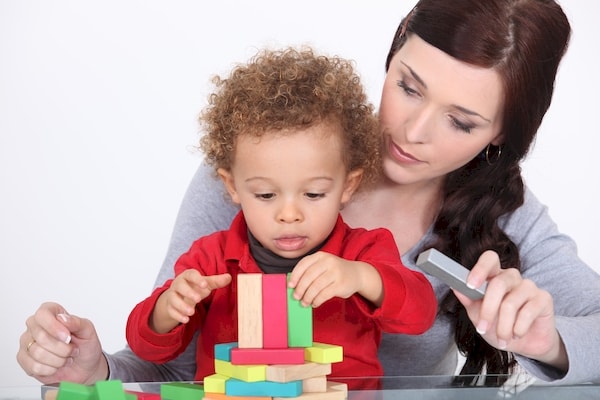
(460, 125)
(315, 195)
(264, 196)
(407, 89)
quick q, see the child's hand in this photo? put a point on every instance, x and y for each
(321, 276)
(178, 303)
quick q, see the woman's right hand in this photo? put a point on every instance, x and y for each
(57, 346)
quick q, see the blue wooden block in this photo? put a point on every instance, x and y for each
(236, 387)
(223, 351)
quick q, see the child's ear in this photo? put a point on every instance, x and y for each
(229, 182)
(352, 182)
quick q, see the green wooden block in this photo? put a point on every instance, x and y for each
(75, 391)
(110, 390)
(300, 322)
(181, 391)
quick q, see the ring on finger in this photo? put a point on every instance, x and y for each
(30, 344)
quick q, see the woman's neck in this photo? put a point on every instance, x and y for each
(406, 210)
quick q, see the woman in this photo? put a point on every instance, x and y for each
(467, 86)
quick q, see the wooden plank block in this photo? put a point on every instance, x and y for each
(293, 355)
(275, 315)
(246, 373)
(315, 384)
(300, 322)
(110, 390)
(330, 394)
(223, 350)
(249, 301)
(324, 353)
(235, 387)
(223, 396)
(144, 395)
(287, 373)
(75, 391)
(338, 386)
(214, 383)
(181, 391)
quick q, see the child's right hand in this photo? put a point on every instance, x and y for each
(178, 303)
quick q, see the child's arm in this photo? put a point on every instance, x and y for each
(178, 303)
(322, 276)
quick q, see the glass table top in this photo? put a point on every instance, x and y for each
(398, 387)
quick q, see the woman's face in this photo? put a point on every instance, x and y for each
(437, 113)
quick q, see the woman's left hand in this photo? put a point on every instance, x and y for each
(514, 314)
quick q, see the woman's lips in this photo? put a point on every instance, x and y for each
(401, 156)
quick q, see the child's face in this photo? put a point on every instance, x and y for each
(291, 186)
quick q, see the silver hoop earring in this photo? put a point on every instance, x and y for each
(492, 157)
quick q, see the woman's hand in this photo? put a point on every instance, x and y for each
(514, 315)
(57, 346)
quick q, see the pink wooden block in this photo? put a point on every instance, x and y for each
(293, 355)
(275, 326)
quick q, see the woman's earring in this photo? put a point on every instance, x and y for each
(492, 156)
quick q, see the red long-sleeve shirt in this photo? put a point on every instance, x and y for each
(409, 304)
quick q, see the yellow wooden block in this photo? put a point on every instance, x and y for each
(316, 384)
(246, 373)
(330, 394)
(288, 373)
(250, 317)
(215, 383)
(324, 353)
(222, 396)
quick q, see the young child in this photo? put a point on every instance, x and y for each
(292, 137)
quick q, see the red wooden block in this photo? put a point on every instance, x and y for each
(293, 355)
(144, 395)
(275, 326)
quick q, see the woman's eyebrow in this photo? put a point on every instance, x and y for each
(415, 75)
(422, 83)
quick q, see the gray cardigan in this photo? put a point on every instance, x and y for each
(548, 257)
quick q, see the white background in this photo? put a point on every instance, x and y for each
(98, 107)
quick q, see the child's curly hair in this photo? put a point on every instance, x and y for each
(288, 90)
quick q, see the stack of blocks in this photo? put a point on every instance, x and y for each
(275, 356)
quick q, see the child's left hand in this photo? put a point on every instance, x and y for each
(322, 276)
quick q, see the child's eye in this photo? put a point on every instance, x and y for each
(407, 89)
(314, 196)
(264, 196)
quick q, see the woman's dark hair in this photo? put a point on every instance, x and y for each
(524, 41)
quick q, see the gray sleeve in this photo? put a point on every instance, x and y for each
(205, 209)
(549, 258)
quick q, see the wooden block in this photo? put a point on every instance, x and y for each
(222, 396)
(144, 395)
(235, 387)
(338, 386)
(267, 356)
(110, 390)
(249, 301)
(223, 350)
(246, 373)
(300, 322)
(75, 391)
(316, 384)
(324, 353)
(275, 315)
(51, 394)
(287, 373)
(330, 394)
(181, 391)
(214, 383)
